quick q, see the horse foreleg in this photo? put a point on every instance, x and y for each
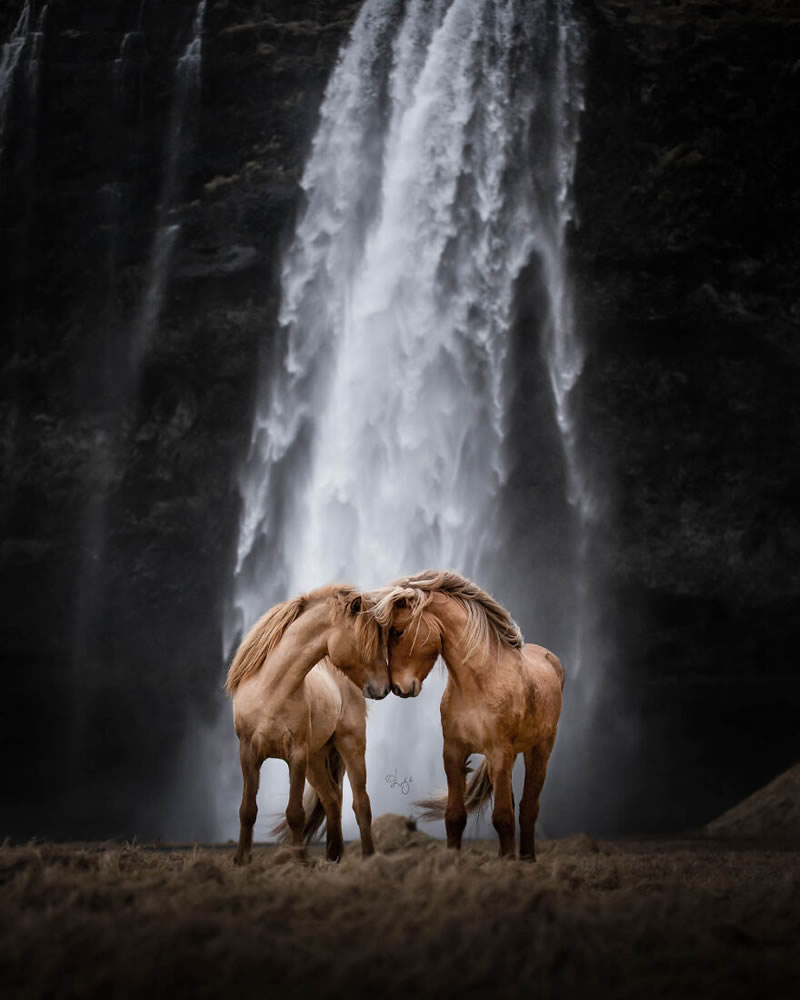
(501, 764)
(455, 813)
(295, 813)
(535, 770)
(353, 753)
(249, 807)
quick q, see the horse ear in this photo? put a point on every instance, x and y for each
(400, 602)
(355, 605)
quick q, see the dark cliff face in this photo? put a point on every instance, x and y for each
(687, 265)
(119, 504)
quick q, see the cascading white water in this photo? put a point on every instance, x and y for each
(188, 72)
(23, 49)
(378, 442)
(130, 55)
(35, 54)
(9, 59)
(563, 350)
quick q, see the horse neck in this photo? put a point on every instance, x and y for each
(302, 646)
(465, 670)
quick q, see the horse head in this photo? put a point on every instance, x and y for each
(356, 644)
(414, 639)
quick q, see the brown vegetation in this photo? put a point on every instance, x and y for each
(688, 918)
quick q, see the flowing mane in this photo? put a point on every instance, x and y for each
(266, 634)
(486, 619)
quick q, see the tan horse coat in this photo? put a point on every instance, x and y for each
(287, 704)
(503, 697)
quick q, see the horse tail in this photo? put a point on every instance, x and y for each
(260, 641)
(312, 805)
(478, 793)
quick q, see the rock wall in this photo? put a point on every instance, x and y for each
(687, 261)
(119, 510)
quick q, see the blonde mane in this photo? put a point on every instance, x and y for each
(487, 621)
(264, 637)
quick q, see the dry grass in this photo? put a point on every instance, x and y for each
(666, 919)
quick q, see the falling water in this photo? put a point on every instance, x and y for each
(9, 59)
(188, 76)
(442, 162)
(22, 51)
(121, 364)
(564, 352)
(34, 55)
(126, 71)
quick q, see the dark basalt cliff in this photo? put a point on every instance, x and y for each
(119, 507)
(688, 264)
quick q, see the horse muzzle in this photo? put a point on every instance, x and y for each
(412, 692)
(376, 694)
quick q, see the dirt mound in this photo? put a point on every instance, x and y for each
(773, 812)
(393, 832)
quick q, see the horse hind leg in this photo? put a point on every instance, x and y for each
(248, 810)
(535, 770)
(325, 773)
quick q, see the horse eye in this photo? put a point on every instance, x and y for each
(395, 633)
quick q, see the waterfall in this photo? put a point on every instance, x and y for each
(442, 162)
(127, 71)
(9, 59)
(23, 49)
(563, 349)
(34, 56)
(188, 76)
(122, 361)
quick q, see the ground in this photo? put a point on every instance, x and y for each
(691, 917)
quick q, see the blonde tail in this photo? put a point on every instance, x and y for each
(312, 805)
(478, 793)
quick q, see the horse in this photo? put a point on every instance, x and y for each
(287, 704)
(503, 697)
